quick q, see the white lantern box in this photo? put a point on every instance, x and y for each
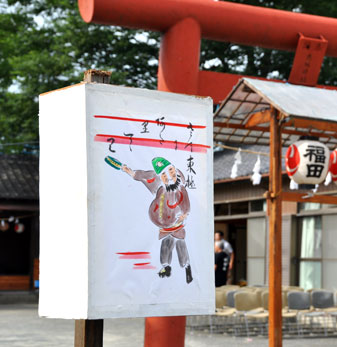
(102, 229)
(307, 162)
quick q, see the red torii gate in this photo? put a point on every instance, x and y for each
(183, 24)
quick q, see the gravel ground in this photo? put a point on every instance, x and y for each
(20, 326)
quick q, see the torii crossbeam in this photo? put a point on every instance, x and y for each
(183, 24)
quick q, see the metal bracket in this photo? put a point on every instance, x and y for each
(308, 60)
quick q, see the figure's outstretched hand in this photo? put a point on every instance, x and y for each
(128, 170)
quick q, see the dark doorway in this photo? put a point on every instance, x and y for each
(237, 237)
(235, 232)
(15, 250)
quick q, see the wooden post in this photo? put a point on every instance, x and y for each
(88, 333)
(275, 234)
(97, 76)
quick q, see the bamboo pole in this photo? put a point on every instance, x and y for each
(275, 232)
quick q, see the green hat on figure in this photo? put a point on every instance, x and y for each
(159, 164)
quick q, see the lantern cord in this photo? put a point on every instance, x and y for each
(17, 217)
(242, 150)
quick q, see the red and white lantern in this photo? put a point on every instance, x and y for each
(307, 162)
(333, 165)
(19, 228)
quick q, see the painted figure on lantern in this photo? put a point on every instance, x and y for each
(168, 211)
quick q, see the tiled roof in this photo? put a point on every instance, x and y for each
(302, 108)
(224, 160)
(19, 176)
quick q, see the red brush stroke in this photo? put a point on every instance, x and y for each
(173, 228)
(134, 255)
(152, 121)
(136, 141)
(151, 180)
(141, 264)
(181, 198)
(144, 267)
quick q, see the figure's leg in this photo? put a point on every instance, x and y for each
(166, 249)
(184, 259)
(182, 253)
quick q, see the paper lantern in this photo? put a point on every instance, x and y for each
(19, 228)
(307, 162)
(333, 165)
(122, 272)
(4, 225)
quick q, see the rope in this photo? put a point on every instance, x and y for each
(242, 150)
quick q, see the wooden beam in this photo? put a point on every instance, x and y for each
(18, 207)
(88, 333)
(275, 234)
(239, 126)
(284, 131)
(312, 124)
(258, 118)
(299, 197)
(14, 282)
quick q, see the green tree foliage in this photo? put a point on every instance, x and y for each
(45, 45)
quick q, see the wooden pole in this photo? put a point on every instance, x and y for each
(275, 234)
(88, 333)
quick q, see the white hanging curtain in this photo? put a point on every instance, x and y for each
(311, 247)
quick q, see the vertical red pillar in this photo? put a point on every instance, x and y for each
(178, 72)
(165, 332)
(179, 58)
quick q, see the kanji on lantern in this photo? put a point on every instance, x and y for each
(307, 162)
